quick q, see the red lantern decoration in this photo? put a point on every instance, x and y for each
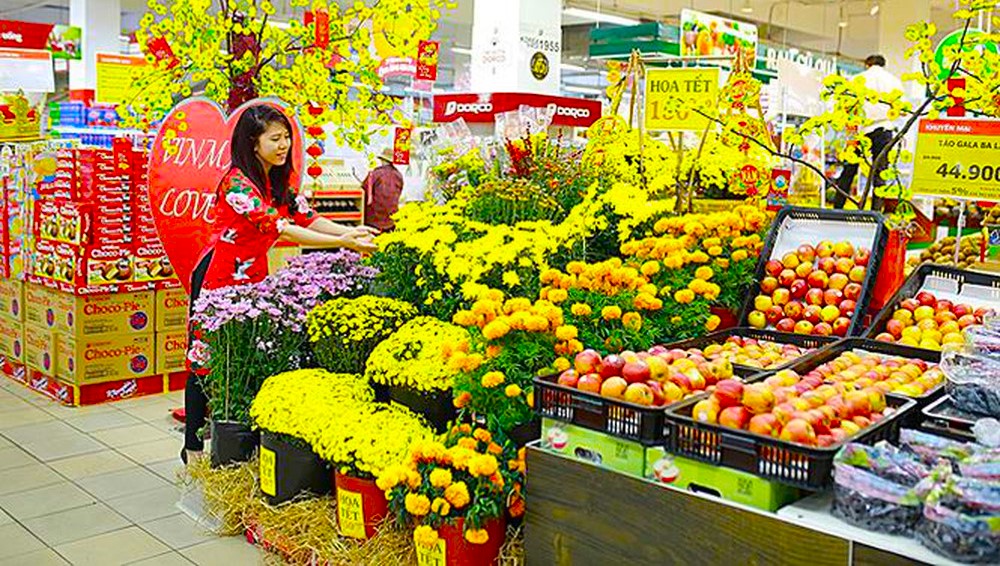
(314, 171)
(315, 131)
(314, 150)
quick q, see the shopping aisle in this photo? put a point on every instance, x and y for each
(96, 485)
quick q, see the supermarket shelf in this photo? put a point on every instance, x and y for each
(341, 215)
(97, 131)
(338, 194)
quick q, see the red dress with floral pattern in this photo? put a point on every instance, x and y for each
(246, 226)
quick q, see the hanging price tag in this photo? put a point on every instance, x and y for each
(350, 514)
(958, 158)
(267, 478)
(432, 556)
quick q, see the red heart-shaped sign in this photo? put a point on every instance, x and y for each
(183, 183)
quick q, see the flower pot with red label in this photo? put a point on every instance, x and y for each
(361, 506)
(232, 443)
(453, 549)
(288, 468)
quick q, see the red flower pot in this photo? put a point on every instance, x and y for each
(361, 506)
(727, 317)
(457, 551)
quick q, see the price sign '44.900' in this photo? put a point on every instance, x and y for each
(958, 158)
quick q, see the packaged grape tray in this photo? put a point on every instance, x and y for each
(795, 227)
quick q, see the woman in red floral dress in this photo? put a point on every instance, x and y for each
(255, 207)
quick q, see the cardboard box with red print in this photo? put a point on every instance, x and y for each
(12, 340)
(171, 351)
(39, 305)
(102, 358)
(40, 349)
(12, 299)
(98, 315)
(172, 307)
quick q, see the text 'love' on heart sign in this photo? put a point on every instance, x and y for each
(184, 181)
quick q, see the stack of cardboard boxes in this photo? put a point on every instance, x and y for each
(97, 314)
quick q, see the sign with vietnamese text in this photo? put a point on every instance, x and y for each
(483, 108)
(60, 40)
(672, 95)
(958, 158)
(114, 76)
(28, 70)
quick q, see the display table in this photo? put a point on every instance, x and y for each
(584, 514)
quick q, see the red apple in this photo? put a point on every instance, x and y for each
(793, 310)
(852, 291)
(814, 297)
(828, 264)
(824, 248)
(894, 328)
(841, 326)
(862, 257)
(611, 366)
(728, 393)
(774, 314)
(766, 425)
(800, 431)
(590, 382)
(569, 378)
(927, 298)
(636, 372)
(806, 252)
(640, 394)
(966, 320)
(832, 297)
(773, 267)
(909, 304)
(790, 260)
(783, 412)
(785, 325)
(885, 337)
(758, 398)
(844, 265)
(829, 313)
(857, 274)
(813, 313)
(838, 281)
(768, 285)
(586, 362)
(818, 279)
(735, 417)
(962, 310)
(787, 277)
(847, 307)
(944, 305)
(706, 411)
(656, 388)
(803, 327)
(823, 329)
(757, 319)
(781, 296)
(798, 289)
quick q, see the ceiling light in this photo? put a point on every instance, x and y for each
(842, 23)
(583, 90)
(747, 8)
(572, 67)
(874, 9)
(461, 50)
(600, 17)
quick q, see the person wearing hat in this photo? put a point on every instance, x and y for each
(382, 188)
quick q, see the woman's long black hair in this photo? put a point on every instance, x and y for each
(251, 125)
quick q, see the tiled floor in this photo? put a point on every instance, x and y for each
(96, 485)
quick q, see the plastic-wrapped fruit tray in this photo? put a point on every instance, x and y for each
(945, 282)
(720, 337)
(794, 226)
(862, 345)
(807, 467)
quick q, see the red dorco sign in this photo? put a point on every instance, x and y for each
(24, 35)
(481, 108)
(184, 181)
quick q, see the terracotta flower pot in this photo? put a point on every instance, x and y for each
(361, 506)
(454, 550)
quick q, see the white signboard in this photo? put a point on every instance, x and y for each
(29, 70)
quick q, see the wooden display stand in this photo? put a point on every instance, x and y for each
(583, 514)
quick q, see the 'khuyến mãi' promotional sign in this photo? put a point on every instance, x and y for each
(958, 158)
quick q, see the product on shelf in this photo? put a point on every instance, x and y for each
(874, 488)
(655, 378)
(888, 374)
(925, 321)
(943, 252)
(752, 352)
(812, 290)
(974, 376)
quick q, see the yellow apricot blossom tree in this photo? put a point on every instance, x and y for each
(323, 62)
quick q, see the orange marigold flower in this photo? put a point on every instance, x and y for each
(462, 399)
(495, 330)
(482, 435)
(494, 449)
(611, 313)
(704, 273)
(512, 390)
(477, 536)
(712, 323)
(562, 364)
(684, 296)
(567, 332)
(457, 494)
(581, 309)
(417, 504)
(493, 351)
(740, 255)
(492, 379)
(650, 268)
(632, 321)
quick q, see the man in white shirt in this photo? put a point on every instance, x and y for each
(879, 132)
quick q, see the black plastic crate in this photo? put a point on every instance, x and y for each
(832, 218)
(942, 417)
(808, 363)
(720, 337)
(915, 282)
(590, 410)
(806, 467)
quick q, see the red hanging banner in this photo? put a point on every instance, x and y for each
(322, 29)
(427, 61)
(401, 146)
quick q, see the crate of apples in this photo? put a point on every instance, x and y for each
(924, 321)
(753, 353)
(812, 290)
(654, 378)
